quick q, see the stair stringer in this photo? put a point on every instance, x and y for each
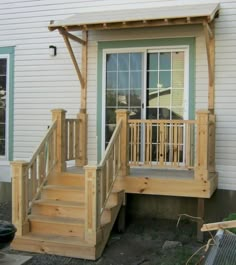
(106, 227)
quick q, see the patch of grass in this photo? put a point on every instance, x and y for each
(231, 217)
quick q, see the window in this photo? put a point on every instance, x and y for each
(3, 104)
(6, 103)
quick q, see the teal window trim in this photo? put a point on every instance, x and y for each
(145, 43)
(10, 51)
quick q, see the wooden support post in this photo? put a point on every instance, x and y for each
(84, 67)
(201, 214)
(92, 208)
(20, 203)
(82, 135)
(123, 115)
(210, 48)
(59, 115)
(202, 146)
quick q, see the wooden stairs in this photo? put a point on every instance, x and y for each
(57, 220)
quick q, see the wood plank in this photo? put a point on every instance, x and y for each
(170, 187)
(84, 67)
(218, 225)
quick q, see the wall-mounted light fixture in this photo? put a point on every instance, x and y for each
(52, 50)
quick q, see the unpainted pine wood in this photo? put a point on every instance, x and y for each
(84, 67)
(83, 127)
(212, 142)
(91, 212)
(136, 24)
(219, 225)
(73, 58)
(202, 146)
(71, 140)
(59, 116)
(19, 206)
(210, 47)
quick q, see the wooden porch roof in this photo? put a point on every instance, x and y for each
(130, 18)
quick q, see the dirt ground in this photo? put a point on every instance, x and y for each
(141, 244)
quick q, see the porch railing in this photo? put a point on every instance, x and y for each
(162, 143)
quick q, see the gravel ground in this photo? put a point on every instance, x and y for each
(141, 244)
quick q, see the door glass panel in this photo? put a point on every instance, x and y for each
(177, 113)
(152, 79)
(136, 62)
(123, 62)
(165, 98)
(152, 98)
(124, 83)
(177, 97)
(178, 60)
(164, 79)
(123, 80)
(136, 79)
(178, 79)
(152, 61)
(111, 64)
(165, 61)
(135, 98)
(111, 80)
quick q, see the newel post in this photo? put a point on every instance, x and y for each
(20, 203)
(202, 166)
(82, 138)
(124, 115)
(60, 116)
(92, 208)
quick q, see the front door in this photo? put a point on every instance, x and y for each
(151, 84)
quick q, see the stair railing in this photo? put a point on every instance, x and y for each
(28, 178)
(99, 180)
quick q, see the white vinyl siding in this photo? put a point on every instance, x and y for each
(43, 82)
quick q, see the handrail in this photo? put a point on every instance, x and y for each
(162, 143)
(109, 167)
(41, 164)
(29, 178)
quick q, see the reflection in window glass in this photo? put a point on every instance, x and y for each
(178, 60)
(123, 62)
(152, 98)
(3, 84)
(165, 79)
(123, 87)
(111, 62)
(152, 61)
(152, 79)
(135, 61)
(165, 98)
(177, 97)
(165, 61)
(178, 79)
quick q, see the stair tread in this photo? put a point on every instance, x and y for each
(70, 240)
(59, 203)
(56, 219)
(63, 187)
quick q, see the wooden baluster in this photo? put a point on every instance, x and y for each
(70, 140)
(161, 148)
(81, 160)
(20, 196)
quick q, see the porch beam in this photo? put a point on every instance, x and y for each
(210, 48)
(71, 52)
(71, 36)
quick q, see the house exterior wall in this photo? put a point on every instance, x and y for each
(42, 83)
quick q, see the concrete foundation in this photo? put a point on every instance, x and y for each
(220, 205)
(5, 191)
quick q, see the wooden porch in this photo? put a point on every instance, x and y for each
(70, 211)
